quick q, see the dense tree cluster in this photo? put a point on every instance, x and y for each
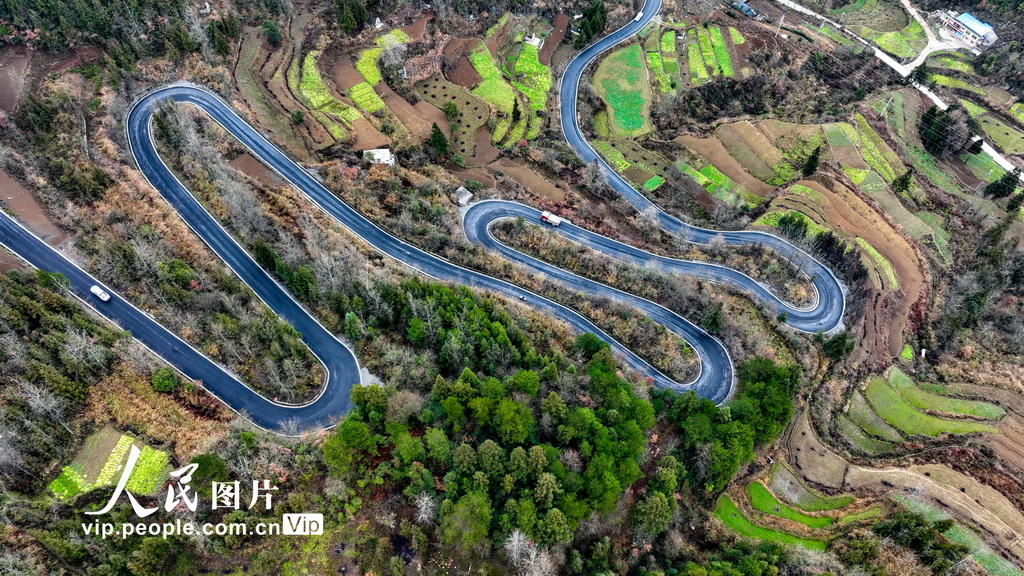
(946, 131)
(50, 352)
(594, 19)
(718, 439)
(495, 456)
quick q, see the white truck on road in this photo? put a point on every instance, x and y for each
(550, 218)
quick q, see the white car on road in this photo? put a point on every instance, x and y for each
(100, 293)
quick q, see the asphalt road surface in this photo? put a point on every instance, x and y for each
(715, 380)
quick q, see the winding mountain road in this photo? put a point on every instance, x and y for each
(715, 380)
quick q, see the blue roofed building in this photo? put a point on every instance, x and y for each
(974, 32)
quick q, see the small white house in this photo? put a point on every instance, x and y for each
(463, 195)
(379, 156)
(974, 32)
(534, 40)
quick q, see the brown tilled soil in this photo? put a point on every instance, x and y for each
(344, 73)
(713, 150)
(560, 26)
(531, 180)
(883, 330)
(431, 114)
(367, 136)
(464, 74)
(417, 28)
(458, 47)
(250, 166)
(416, 121)
(962, 172)
(478, 174)
(485, 152)
(498, 39)
(13, 63)
(29, 210)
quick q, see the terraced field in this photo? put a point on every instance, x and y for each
(762, 500)
(730, 515)
(621, 81)
(101, 461)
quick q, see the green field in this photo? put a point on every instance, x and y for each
(983, 166)
(951, 62)
(656, 64)
(905, 43)
(888, 404)
(727, 512)
(1005, 137)
(862, 515)
(537, 77)
(883, 263)
(864, 416)
(668, 41)
(493, 89)
(907, 353)
(872, 151)
(924, 400)
(764, 501)
(367, 65)
(737, 38)
(365, 98)
(859, 438)
(614, 156)
(952, 82)
(653, 183)
(101, 461)
(698, 72)
(621, 80)
(973, 109)
(721, 51)
(316, 93)
(1017, 110)
(396, 36)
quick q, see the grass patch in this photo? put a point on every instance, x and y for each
(396, 36)
(871, 150)
(888, 403)
(707, 51)
(492, 89)
(621, 80)
(983, 166)
(365, 98)
(835, 36)
(907, 353)
(366, 64)
(653, 183)
(737, 37)
(614, 156)
(668, 41)
(721, 51)
(537, 77)
(864, 416)
(656, 64)
(867, 514)
(149, 471)
(698, 72)
(315, 92)
(859, 438)
(883, 263)
(925, 164)
(952, 62)
(953, 82)
(1006, 137)
(921, 399)
(764, 501)
(905, 43)
(727, 512)
(973, 109)
(69, 482)
(1017, 111)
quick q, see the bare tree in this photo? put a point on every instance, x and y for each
(425, 507)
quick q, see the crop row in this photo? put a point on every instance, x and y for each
(365, 98)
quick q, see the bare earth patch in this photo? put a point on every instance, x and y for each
(13, 63)
(250, 166)
(533, 181)
(29, 210)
